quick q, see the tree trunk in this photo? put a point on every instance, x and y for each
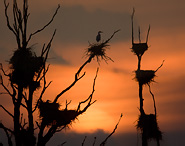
(32, 139)
(17, 117)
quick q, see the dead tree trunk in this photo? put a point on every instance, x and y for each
(147, 123)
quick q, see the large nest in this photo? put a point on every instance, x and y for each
(145, 76)
(148, 124)
(98, 50)
(24, 65)
(52, 115)
(139, 48)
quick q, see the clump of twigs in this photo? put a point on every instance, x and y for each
(148, 124)
(52, 115)
(145, 76)
(98, 50)
(25, 65)
(139, 48)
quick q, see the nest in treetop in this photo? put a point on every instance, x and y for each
(139, 48)
(98, 50)
(52, 115)
(25, 65)
(148, 124)
(145, 76)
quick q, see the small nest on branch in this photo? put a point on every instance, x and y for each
(148, 124)
(145, 76)
(98, 50)
(139, 48)
(51, 115)
(25, 65)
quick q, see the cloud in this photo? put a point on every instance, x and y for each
(78, 25)
(120, 70)
(118, 139)
(54, 58)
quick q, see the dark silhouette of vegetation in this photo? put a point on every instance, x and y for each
(27, 74)
(103, 143)
(147, 123)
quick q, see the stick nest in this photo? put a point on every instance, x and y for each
(25, 65)
(98, 50)
(148, 124)
(139, 48)
(52, 115)
(145, 76)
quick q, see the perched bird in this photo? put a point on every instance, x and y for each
(98, 37)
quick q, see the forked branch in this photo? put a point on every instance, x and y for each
(77, 77)
(89, 98)
(39, 30)
(7, 18)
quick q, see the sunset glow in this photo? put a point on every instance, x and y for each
(116, 89)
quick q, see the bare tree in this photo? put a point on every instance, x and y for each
(147, 123)
(27, 73)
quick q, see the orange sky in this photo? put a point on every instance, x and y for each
(116, 92)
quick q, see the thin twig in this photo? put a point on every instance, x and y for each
(94, 141)
(132, 19)
(89, 98)
(153, 99)
(148, 34)
(104, 142)
(63, 143)
(3, 93)
(1, 68)
(39, 30)
(75, 81)
(6, 130)
(6, 111)
(7, 18)
(67, 103)
(112, 36)
(139, 35)
(160, 66)
(84, 140)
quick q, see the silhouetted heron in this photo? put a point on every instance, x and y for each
(98, 37)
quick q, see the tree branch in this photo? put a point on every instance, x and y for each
(2, 84)
(63, 143)
(94, 141)
(155, 110)
(84, 140)
(112, 36)
(159, 66)
(76, 79)
(6, 111)
(1, 68)
(39, 30)
(7, 18)
(89, 98)
(6, 130)
(104, 142)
